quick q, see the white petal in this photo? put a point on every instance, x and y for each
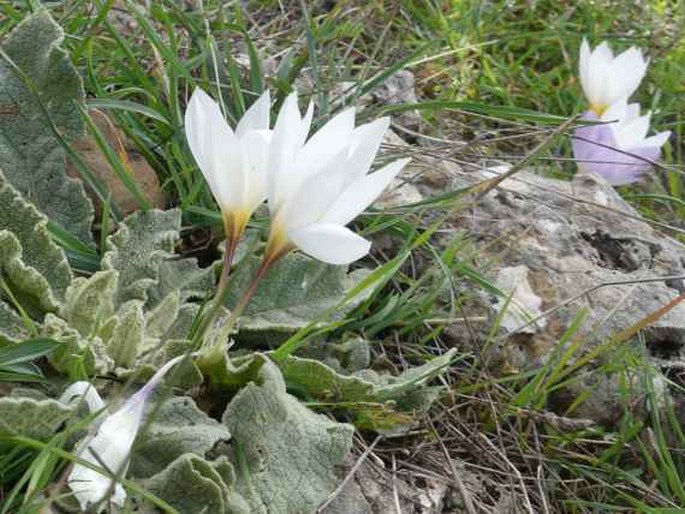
(362, 193)
(632, 112)
(657, 140)
(330, 243)
(285, 143)
(255, 146)
(616, 112)
(256, 117)
(584, 67)
(215, 148)
(602, 54)
(365, 143)
(627, 71)
(315, 195)
(110, 448)
(328, 139)
(306, 123)
(631, 134)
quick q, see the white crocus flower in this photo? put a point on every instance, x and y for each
(315, 187)
(233, 163)
(110, 446)
(607, 79)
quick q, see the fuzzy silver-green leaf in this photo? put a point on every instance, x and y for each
(289, 452)
(39, 73)
(179, 427)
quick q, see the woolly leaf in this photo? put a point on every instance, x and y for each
(378, 401)
(75, 350)
(142, 252)
(289, 453)
(179, 427)
(295, 292)
(324, 383)
(31, 263)
(32, 157)
(191, 484)
(159, 320)
(12, 327)
(396, 388)
(38, 419)
(27, 286)
(89, 301)
(126, 340)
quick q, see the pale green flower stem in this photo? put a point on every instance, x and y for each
(267, 262)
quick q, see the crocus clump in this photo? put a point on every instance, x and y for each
(619, 149)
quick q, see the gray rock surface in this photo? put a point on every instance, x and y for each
(585, 247)
(574, 245)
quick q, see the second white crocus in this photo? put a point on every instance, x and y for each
(606, 78)
(110, 446)
(232, 162)
(316, 187)
(619, 150)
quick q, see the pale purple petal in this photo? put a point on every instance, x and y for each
(594, 149)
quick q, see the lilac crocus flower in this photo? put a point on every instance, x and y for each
(110, 446)
(618, 150)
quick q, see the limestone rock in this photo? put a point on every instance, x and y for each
(581, 237)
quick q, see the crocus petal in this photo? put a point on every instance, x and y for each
(657, 140)
(215, 148)
(256, 162)
(365, 143)
(584, 67)
(604, 78)
(619, 110)
(362, 193)
(330, 243)
(632, 133)
(306, 124)
(110, 448)
(324, 144)
(256, 117)
(629, 67)
(621, 168)
(285, 143)
(315, 195)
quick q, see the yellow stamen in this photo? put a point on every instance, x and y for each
(599, 109)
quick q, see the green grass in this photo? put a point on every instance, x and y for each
(498, 68)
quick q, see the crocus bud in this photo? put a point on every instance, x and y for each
(110, 446)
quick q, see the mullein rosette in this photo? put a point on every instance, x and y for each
(618, 149)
